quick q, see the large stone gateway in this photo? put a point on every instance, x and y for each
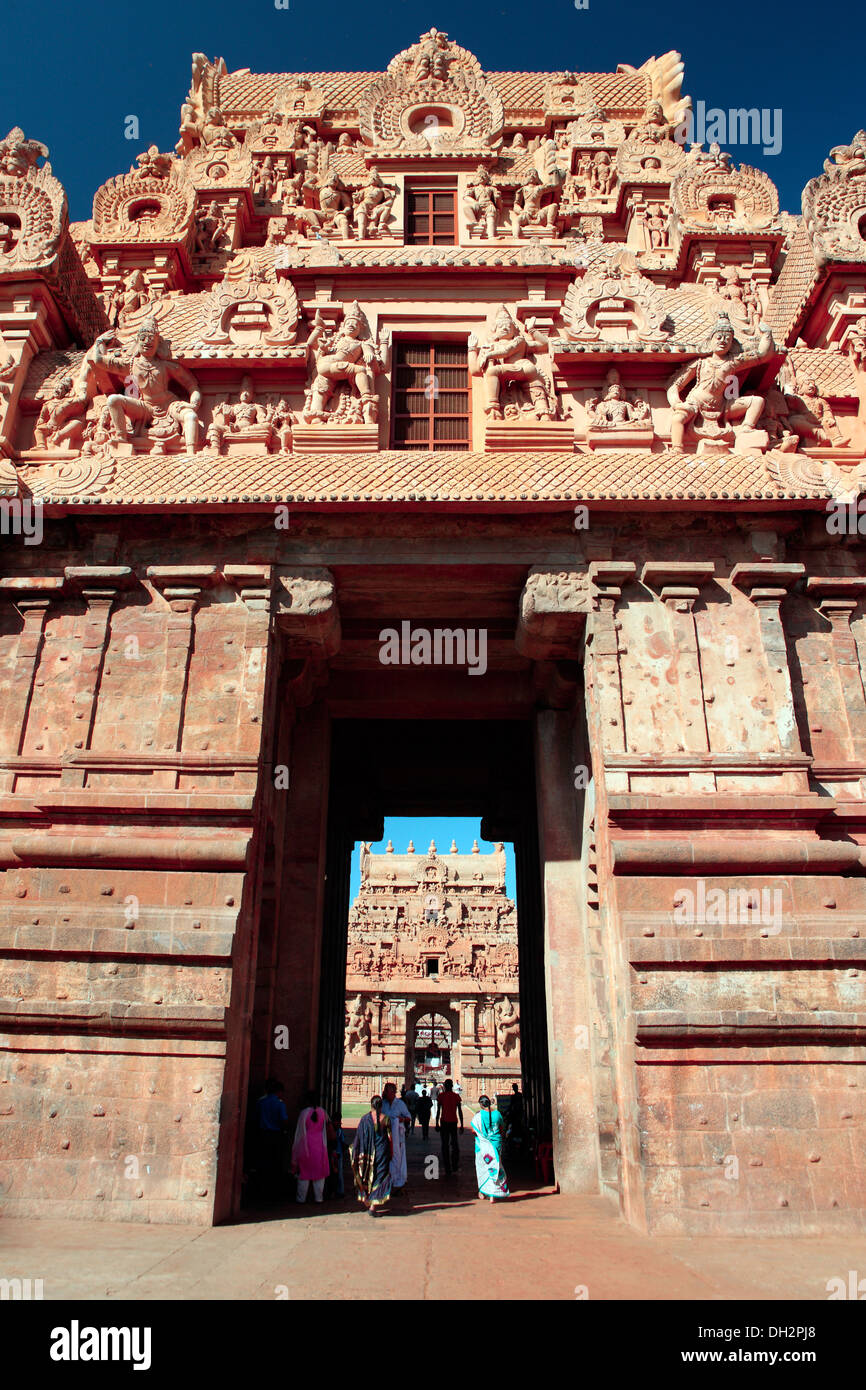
(432, 973)
(435, 441)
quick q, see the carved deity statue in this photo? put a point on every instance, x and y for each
(742, 305)
(344, 354)
(507, 1019)
(373, 205)
(216, 132)
(614, 409)
(509, 357)
(528, 205)
(856, 343)
(713, 396)
(324, 205)
(132, 293)
(810, 417)
(658, 226)
(153, 371)
(359, 1018)
(61, 419)
(266, 180)
(211, 234)
(480, 203)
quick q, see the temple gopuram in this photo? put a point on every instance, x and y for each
(435, 441)
(432, 974)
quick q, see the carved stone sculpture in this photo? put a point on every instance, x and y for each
(359, 1017)
(528, 207)
(344, 354)
(614, 410)
(507, 1019)
(373, 205)
(855, 343)
(712, 399)
(152, 370)
(211, 234)
(480, 204)
(510, 357)
(61, 419)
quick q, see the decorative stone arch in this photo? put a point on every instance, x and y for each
(444, 1008)
(143, 208)
(705, 186)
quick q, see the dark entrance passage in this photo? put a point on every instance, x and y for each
(424, 767)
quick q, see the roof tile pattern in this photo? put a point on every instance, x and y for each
(791, 291)
(395, 477)
(243, 95)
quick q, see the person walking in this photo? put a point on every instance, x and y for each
(489, 1126)
(411, 1099)
(425, 1106)
(400, 1118)
(371, 1158)
(310, 1150)
(446, 1121)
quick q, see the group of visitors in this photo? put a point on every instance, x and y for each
(378, 1152)
(318, 1146)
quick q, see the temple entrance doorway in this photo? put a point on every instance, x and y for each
(430, 1055)
(432, 964)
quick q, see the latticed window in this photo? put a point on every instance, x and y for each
(431, 215)
(431, 396)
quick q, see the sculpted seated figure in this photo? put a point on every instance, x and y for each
(509, 357)
(342, 354)
(614, 409)
(152, 371)
(528, 206)
(61, 419)
(811, 418)
(713, 398)
(373, 205)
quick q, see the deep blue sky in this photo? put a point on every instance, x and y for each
(73, 71)
(442, 829)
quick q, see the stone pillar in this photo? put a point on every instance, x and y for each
(181, 586)
(838, 597)
(99, 586)
(766, 583)
(607, 578)
(553, 609)
(32, 598)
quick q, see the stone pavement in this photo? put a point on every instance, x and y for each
(437, 1242)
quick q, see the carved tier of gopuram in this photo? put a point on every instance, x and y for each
(435, 441)
(432, 947)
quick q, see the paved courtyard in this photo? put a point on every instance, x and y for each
(438, 1242)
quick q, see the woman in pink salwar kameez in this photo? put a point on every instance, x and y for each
(310, 1159)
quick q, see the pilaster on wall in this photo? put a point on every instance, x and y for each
(734, 895)
(129, 902)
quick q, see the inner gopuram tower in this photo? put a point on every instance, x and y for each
(432, 973)
(435, 441)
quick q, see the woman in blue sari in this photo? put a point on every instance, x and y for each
(372, 1152)
(489, 1127)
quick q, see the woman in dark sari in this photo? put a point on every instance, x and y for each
(371, 1159)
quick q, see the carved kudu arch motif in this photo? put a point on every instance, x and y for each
(834, 205)
(433, 98)
(622, 282)
(33, 209)
(275, 300)
(150, 204)
(749, 193)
